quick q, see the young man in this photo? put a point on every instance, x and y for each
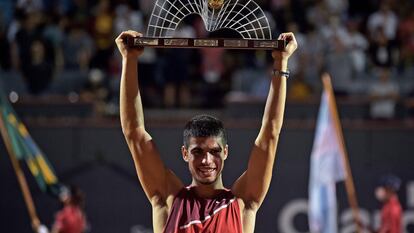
(205, 205)
(391, 211)
(71, 218)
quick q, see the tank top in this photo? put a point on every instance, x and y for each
(192, 214)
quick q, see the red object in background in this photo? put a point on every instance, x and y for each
(391, 216)
(70, 220)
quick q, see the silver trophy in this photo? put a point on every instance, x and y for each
(243, 16)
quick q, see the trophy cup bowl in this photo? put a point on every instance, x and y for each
(242, 16)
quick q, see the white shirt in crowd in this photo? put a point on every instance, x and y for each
(387, 20)
(383, 107)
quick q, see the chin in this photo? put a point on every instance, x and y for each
(203, 179)
(207, 182)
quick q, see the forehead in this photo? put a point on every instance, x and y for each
(205, 142)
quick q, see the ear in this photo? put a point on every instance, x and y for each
(226, 151)
(184, 153)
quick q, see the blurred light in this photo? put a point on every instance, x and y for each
(13, 97)
(73, 97)
(96, 76)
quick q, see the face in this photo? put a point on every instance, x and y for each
(64, 198)
(380, 194)
(205, 157)
(383, 194)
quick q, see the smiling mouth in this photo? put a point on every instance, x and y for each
(206, 171)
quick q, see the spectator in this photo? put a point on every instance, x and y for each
(78, 48)
(335, 31)
(102, 31)
(337, 7)
(4, 47)
(383, 94)
(358, 46)
(317, 14)
(126, 17)
(177, 72)
(339, 65)
(15, 25)
(150, 84)
(297, 63)
(299, 90)
(97, 90)
(28, 31)
(391, 211)
(406, 39)
(146, 6)
(384, 18)
(87, 42)
(314, 57)
(71, 219)
(79, 12)
(249, 83)
(6, 11)
(381, 50)
(53, 31)
(30, 6)
(38, 73)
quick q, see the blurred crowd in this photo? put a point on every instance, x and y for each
(66, 47)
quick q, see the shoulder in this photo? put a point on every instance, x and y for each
(395, 208)
(62, 214)
(183, 193)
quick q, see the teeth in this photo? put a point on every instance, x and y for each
(207, 169)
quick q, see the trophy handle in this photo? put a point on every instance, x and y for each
(206, 43)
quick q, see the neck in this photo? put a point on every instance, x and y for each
(393, 196)
(389, 198)
(207, 190)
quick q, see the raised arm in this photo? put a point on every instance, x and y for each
(157, 181)
(254, 183)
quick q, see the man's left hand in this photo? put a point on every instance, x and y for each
(290, 48)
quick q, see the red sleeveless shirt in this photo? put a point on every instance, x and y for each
(192, 214)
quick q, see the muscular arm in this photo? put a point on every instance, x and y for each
(157, 181)
(253, 185)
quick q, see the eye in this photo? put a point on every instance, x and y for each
(197, 152)
(215, 152)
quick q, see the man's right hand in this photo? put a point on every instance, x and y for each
(127, 52)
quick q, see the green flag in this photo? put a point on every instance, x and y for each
(25, 148)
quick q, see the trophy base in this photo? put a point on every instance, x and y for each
(206, 43)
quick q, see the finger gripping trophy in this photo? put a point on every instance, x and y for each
(215, 4)
(242, 16)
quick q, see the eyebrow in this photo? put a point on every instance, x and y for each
(217, 148)
(196, 149)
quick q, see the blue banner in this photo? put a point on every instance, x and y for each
(326, 169)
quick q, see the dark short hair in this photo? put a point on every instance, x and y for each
(204, 126)
(77, 197)
(390, 181)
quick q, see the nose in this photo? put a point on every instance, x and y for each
(207, 158)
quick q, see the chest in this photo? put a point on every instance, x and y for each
(190, 215)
